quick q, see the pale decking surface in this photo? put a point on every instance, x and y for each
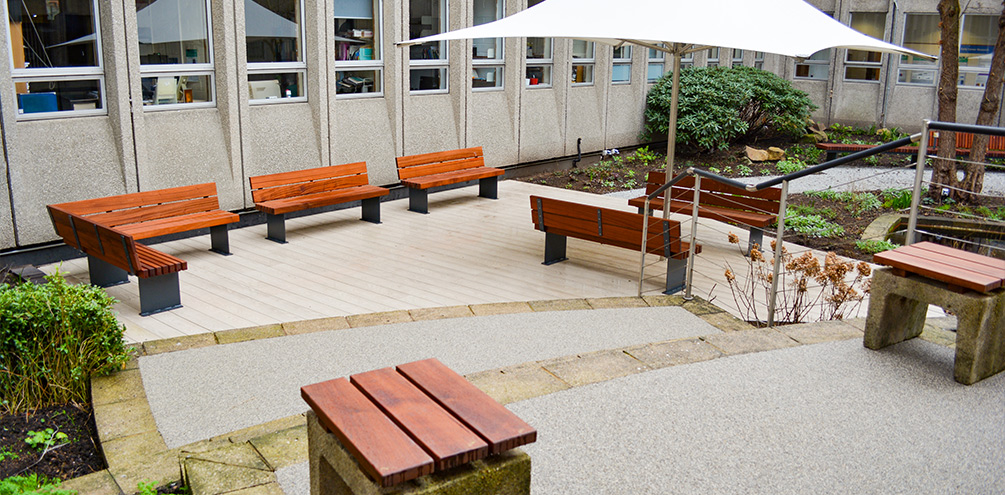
(467, 250)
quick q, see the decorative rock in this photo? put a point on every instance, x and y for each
(756, 155)
(775, 154)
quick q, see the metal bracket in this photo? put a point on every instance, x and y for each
(600, 223)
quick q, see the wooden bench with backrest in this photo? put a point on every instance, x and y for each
(753, 210)
(964, 140)
(401, 423)
(421, 172)
(287, 192)
(562, 219)
(970, 285)
(148, 214)
(116, 255)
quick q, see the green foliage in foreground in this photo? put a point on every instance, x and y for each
(812, 225)
(874, 246)
(32, 484)
(53, 338)
(718, 105)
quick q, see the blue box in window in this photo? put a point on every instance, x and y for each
(37, 102)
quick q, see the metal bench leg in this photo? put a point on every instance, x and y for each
(676, 275)
(489, 187)
(277, 228)
(554, 248)
(830, 156)
(159, 294)
(104, 274)
(418, 200)
(371, 210)
(756, 237)
(220, 240)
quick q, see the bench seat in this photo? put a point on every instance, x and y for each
(428, 170)
(317, 200)
(447, 178)
(178, 224)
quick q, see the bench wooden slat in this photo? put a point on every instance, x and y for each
(764, 203)
(439, 156)
(135, 200)
(441, 435)
(993, 266)
(182, 223)
(949, 272)
(307, 175)
(439, 167)
(155, 212)
(287, 205)
(383, 451)
(303, 182)
(154, 262)
(452, 177)
(502, 429)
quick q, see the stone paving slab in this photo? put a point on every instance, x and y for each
(677, 352)
(316, 325)
(583, 369)
(516, 383)
(756, 340)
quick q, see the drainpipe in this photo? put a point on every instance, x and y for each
(887, 87)
(579, 152)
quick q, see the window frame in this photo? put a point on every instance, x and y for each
(442, 63)
(182, 70)
(858, 64)
(588, 63)
(496, 63)
(924, 66)
(376, 65)
(623, 61)
(299, 67)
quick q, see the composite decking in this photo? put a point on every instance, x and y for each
(468, 250)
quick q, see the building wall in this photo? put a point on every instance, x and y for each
(131, 148)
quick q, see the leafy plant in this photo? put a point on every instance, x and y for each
(873, 246)
(743, 170)
(721, 104)
(804, 210)
(897, 198)
(645, 156)
(53, 337)
(790, 165)
(6, 453)
(45, 439)
(32, 484)
(860, 202)
(812, 225)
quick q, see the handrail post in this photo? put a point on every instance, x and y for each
(773, 296)
(694, 233)
(912, 222)
(645, 237)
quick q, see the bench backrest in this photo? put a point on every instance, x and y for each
(604, 225)
(765, 201)
(301, 182)
(125, 209)
(436, 163)
(96, 240)
(964, 140)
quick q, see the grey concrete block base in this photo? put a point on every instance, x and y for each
(334, 471)
(897, 307)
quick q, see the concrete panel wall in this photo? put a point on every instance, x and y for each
(626, 104)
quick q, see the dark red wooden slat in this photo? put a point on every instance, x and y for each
(384, 451)
(948, 273)
(441, 435)
(502, 429)
(972, 261)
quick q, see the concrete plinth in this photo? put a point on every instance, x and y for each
(897, 307)
(334, 471)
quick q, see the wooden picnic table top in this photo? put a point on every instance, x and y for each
(957, 268)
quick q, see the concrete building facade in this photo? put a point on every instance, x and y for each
(105, 97)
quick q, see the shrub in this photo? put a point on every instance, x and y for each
(721, 104)
(53, 337)
(873, 246)
(812, 225)
(32, 484)
(897, 198)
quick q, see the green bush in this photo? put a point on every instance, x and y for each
(32, 484)
(53, 337)
(897, 198)
(812, 225)
(874, 246)
(721, 104)
(790, 165)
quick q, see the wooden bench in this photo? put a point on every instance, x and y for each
(143, 215)
(115, 255)
(562, 219)
(287, 192)
(388, 426)
(972, 286)
(753, 210)
(422, 172)
(964, 140)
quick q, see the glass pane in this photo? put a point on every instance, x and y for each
(872, 24)
(52, 33)
(164, 90)
(624, 52)
(357, 81)
(582, 49)
(427, 79)
(538, 75)
(172, 31)
(539, 48)
(654, 72)
(273, 30)
(621, 73)
(276, 86)
(426, 18)
(916, 76)
(582, 74)
(487, 77)
(861, 73)
(812, 71)
(487, 11)
(921, 33)
(977, 41)
(58, 96)
(656, 54)
(357, 35)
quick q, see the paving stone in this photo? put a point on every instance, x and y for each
(500, 308)
(726, 322)
(316, 325)
(937, 335)
(250, 333)
(245, 434)
(283, 448)
(133, 363)
(98, 483)
(178, 344)
(441, 313)
(516, 383)
(821, 331)
(238, 455)
(117, 387)
(858, 323)
(594, 367)
(123, 449)
(673, 353)
(266, 489)
(385, 318)
(663, 300)
(121, 419)
(559, 305)
(700, 306)
(616, 302)
(207, 477)
(757, 340)
(161, 468)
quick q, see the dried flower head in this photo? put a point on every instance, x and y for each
(864, 269)
(733, 238)
(755, 254)
(729, 276)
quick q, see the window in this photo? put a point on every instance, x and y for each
(428, 61)
(712, 57)
(759, 60)
(358, 58)
(656, 66)
(276, 66)
(737, 58)
(862, 65)
(621, 72)
(539, 58)
(921, 33)
(816, 67)
(582, 62)
(176, 57)
(56, 58)
(487, 53)
(977, 42)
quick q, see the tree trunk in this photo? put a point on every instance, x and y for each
(973, 181)
(944, 174)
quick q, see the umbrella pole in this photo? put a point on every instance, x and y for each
(672, 125)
